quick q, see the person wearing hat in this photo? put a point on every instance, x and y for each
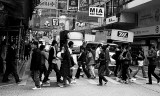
(35, 66)
(11, 66)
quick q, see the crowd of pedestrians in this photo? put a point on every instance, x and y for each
(88, 59)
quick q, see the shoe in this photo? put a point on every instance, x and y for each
(18, 81)
(99, 85)
(35, 88)
(40, 83)
(46, 84)
(105, 82)
(149, 83)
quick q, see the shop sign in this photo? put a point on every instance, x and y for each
(55, 22)
(48, 4)
(120, 35)
(111, 20)
(83, 5)
(72, 4)
(62, 4)
(149, 17)
(96, 11)
(153, 30)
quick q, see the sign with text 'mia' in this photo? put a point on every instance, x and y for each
(96, 11)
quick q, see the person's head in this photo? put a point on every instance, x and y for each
(104, 48)
(99, 45)
(35, 44)
(82, 49)
(152, 46)
(107, 46)
(42, 47)
(70, 44)
(54, 43)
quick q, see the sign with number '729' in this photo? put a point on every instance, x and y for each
(122, 34)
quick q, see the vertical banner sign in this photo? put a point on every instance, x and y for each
(73, 5)
(55, 22)
(83, 5)
(62, 4)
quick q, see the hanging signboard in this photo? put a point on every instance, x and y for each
(62, 4)
(48, 4)
(96, 11)
(120, 35)
(73, 5)
(83, 5)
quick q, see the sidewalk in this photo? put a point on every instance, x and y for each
(12, 80)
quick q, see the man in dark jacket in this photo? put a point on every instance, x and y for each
(11, 64)
(35, 66)
(152, 55)
(82, 62)
(52, 63)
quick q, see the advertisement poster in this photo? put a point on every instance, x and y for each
(73, 5)
(62, 4)
(83, 5)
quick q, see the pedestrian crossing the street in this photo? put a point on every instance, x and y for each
(111, 80)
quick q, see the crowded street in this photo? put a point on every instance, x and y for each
(82, 87)
(79, 47)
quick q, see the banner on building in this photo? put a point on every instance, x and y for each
(48, 4)
(73, 5)
(96, 11)
(62, 4)
(83, 5)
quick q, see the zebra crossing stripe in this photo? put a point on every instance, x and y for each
(112, 81)
(91, 81)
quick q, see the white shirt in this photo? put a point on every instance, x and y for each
(70, 50)
(98, 51)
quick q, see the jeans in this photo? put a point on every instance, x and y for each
(151, 69)
(11, 68)
(51, 67)
(35, 76)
